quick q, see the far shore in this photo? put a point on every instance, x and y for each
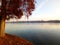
(50, 21)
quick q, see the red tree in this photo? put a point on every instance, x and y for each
(14, 9)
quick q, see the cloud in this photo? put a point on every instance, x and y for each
(44, 2)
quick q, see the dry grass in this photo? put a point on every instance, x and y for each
(13, 40)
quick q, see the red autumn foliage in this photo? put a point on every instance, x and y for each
(16, 8)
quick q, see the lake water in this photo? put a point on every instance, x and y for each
(38, 33)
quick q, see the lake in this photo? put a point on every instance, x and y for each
(38, 33)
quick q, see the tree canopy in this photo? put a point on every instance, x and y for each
(16, 8)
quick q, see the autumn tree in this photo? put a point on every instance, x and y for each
(14, 9)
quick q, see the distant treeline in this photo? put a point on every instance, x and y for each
(50, 21)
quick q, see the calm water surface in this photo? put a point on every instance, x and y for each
(38, 33)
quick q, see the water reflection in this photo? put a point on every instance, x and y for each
(38, 33)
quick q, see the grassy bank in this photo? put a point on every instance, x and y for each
(13, 40)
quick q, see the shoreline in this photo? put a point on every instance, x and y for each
(37, 21)
(14, 40)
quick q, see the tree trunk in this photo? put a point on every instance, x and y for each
(2, 27)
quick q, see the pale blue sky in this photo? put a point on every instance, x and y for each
(46, 10)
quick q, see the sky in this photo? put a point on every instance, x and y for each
(45, 10)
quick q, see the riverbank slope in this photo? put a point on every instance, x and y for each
(13, 40)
